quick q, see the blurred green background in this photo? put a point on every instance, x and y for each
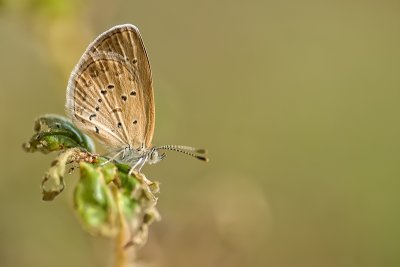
(296, 101)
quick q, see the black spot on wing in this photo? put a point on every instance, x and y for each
(115, 110)
(94, 73)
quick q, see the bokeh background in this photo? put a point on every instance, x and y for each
(296, 101)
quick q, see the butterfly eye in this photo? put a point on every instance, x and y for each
(154, 155)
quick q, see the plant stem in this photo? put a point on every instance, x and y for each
(121, 252)
(123, 257)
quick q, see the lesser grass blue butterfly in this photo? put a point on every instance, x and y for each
(110, 97)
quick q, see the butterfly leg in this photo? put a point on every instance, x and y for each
(136, 164)
(124, 153)
(144, 161)
(114, 157)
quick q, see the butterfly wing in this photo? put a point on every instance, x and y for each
(110, 93)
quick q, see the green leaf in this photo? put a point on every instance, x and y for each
(109, 172)
(127, 183)
(129, 206)
(95, 202)
(54, 132)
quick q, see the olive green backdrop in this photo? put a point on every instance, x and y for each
(296, 101)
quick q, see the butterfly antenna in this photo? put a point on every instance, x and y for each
(187, 150)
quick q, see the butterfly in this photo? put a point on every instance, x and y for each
(110, 97)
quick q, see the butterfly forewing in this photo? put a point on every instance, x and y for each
(126, 41)
(110, 94)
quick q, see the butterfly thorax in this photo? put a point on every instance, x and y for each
(137, 157)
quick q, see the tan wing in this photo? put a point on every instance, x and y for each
(108, 103)
(124, 48)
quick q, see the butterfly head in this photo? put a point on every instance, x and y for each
(154, 156)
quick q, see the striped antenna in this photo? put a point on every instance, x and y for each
(187, 150)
